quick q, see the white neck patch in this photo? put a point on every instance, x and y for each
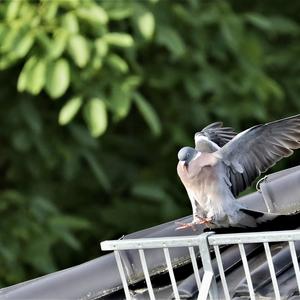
(197, 155)
(201, 138)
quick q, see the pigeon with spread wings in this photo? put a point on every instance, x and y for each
(223, 164)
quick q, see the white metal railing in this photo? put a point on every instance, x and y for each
(206, 243)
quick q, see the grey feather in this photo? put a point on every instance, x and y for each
(257, 149)
(215, 137)
(216, 133)
(250, 218)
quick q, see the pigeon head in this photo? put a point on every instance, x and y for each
(186, 154)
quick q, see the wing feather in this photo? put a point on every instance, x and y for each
(216, 133)
(257, 149)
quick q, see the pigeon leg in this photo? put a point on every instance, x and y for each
(204, 221)
(185, 225)
(197, 221)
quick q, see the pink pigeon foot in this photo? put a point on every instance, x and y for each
(204, 221)
(185, 226)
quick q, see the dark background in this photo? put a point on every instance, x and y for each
(97, 97)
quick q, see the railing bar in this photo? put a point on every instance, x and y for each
(171, 273)
(247, 271)
(122, 274)
(295, 262)
(216, 239)
(195, 267)
(207, 264)
(150, 243)
(206, 283)
(221, 272)
(272, 270)
(254, 237)
(146, 273)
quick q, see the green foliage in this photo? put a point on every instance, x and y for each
(131, 83)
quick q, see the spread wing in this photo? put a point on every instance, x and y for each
(255, 150)
(216, 133)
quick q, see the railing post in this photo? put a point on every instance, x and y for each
(209, 275)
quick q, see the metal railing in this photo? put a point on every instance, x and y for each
(207, 243)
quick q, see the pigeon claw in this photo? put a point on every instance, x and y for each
(197, 221)
(205, 221)
(185, 226)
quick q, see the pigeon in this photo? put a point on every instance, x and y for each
(224, 163)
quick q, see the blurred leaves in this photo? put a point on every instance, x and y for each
(79, 50)
(133, 81)
(148, 113)
(118, 39)
(146, 24)
(57, 78)
(69, 110)
(96, 116)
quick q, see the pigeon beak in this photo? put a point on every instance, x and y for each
(185, 165)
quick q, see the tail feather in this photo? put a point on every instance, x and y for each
(257, 221)
(254, 218)
(259, 217)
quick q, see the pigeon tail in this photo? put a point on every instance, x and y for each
(253, 218)
(263, 222)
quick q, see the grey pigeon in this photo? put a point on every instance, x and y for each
(223, 164)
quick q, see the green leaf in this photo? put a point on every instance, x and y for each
(98, 170)
(58, 78)
(3, 32)
(150, 191)
(94, 14)
(22, 47)
(58, 44)
(118, 63)
(274, 88)
(69, 110)
(70, 22)
(259, 21)
(12, 10)
(45, 41)
(172, 40)
(95, 64)
(82, 137)
(21, 141)
(50, 13)
(120, 103)
(11, 36)
(69, 222)
(131, 83)
(119, 39)
(69, 239)
(36, 77)
(37, 254)
(146, 24)
(23, 77)
(70, 5)
(101, 47)
(283, 25)
(121, 97)
(31, 115)
(231, 28)
(122, 12)
(96, 116)
(7, 60)
(16, 41)
(148, 113)
(79, 50)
